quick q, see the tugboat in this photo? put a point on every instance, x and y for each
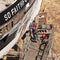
(15, 19)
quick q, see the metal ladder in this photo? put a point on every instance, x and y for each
(41, 51)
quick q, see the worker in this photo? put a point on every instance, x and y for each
(44, 36)
(34, 27)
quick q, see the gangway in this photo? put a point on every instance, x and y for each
(44, 48)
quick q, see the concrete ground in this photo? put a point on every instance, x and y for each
(32, 52)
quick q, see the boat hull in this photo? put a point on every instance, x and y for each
(22, 26)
